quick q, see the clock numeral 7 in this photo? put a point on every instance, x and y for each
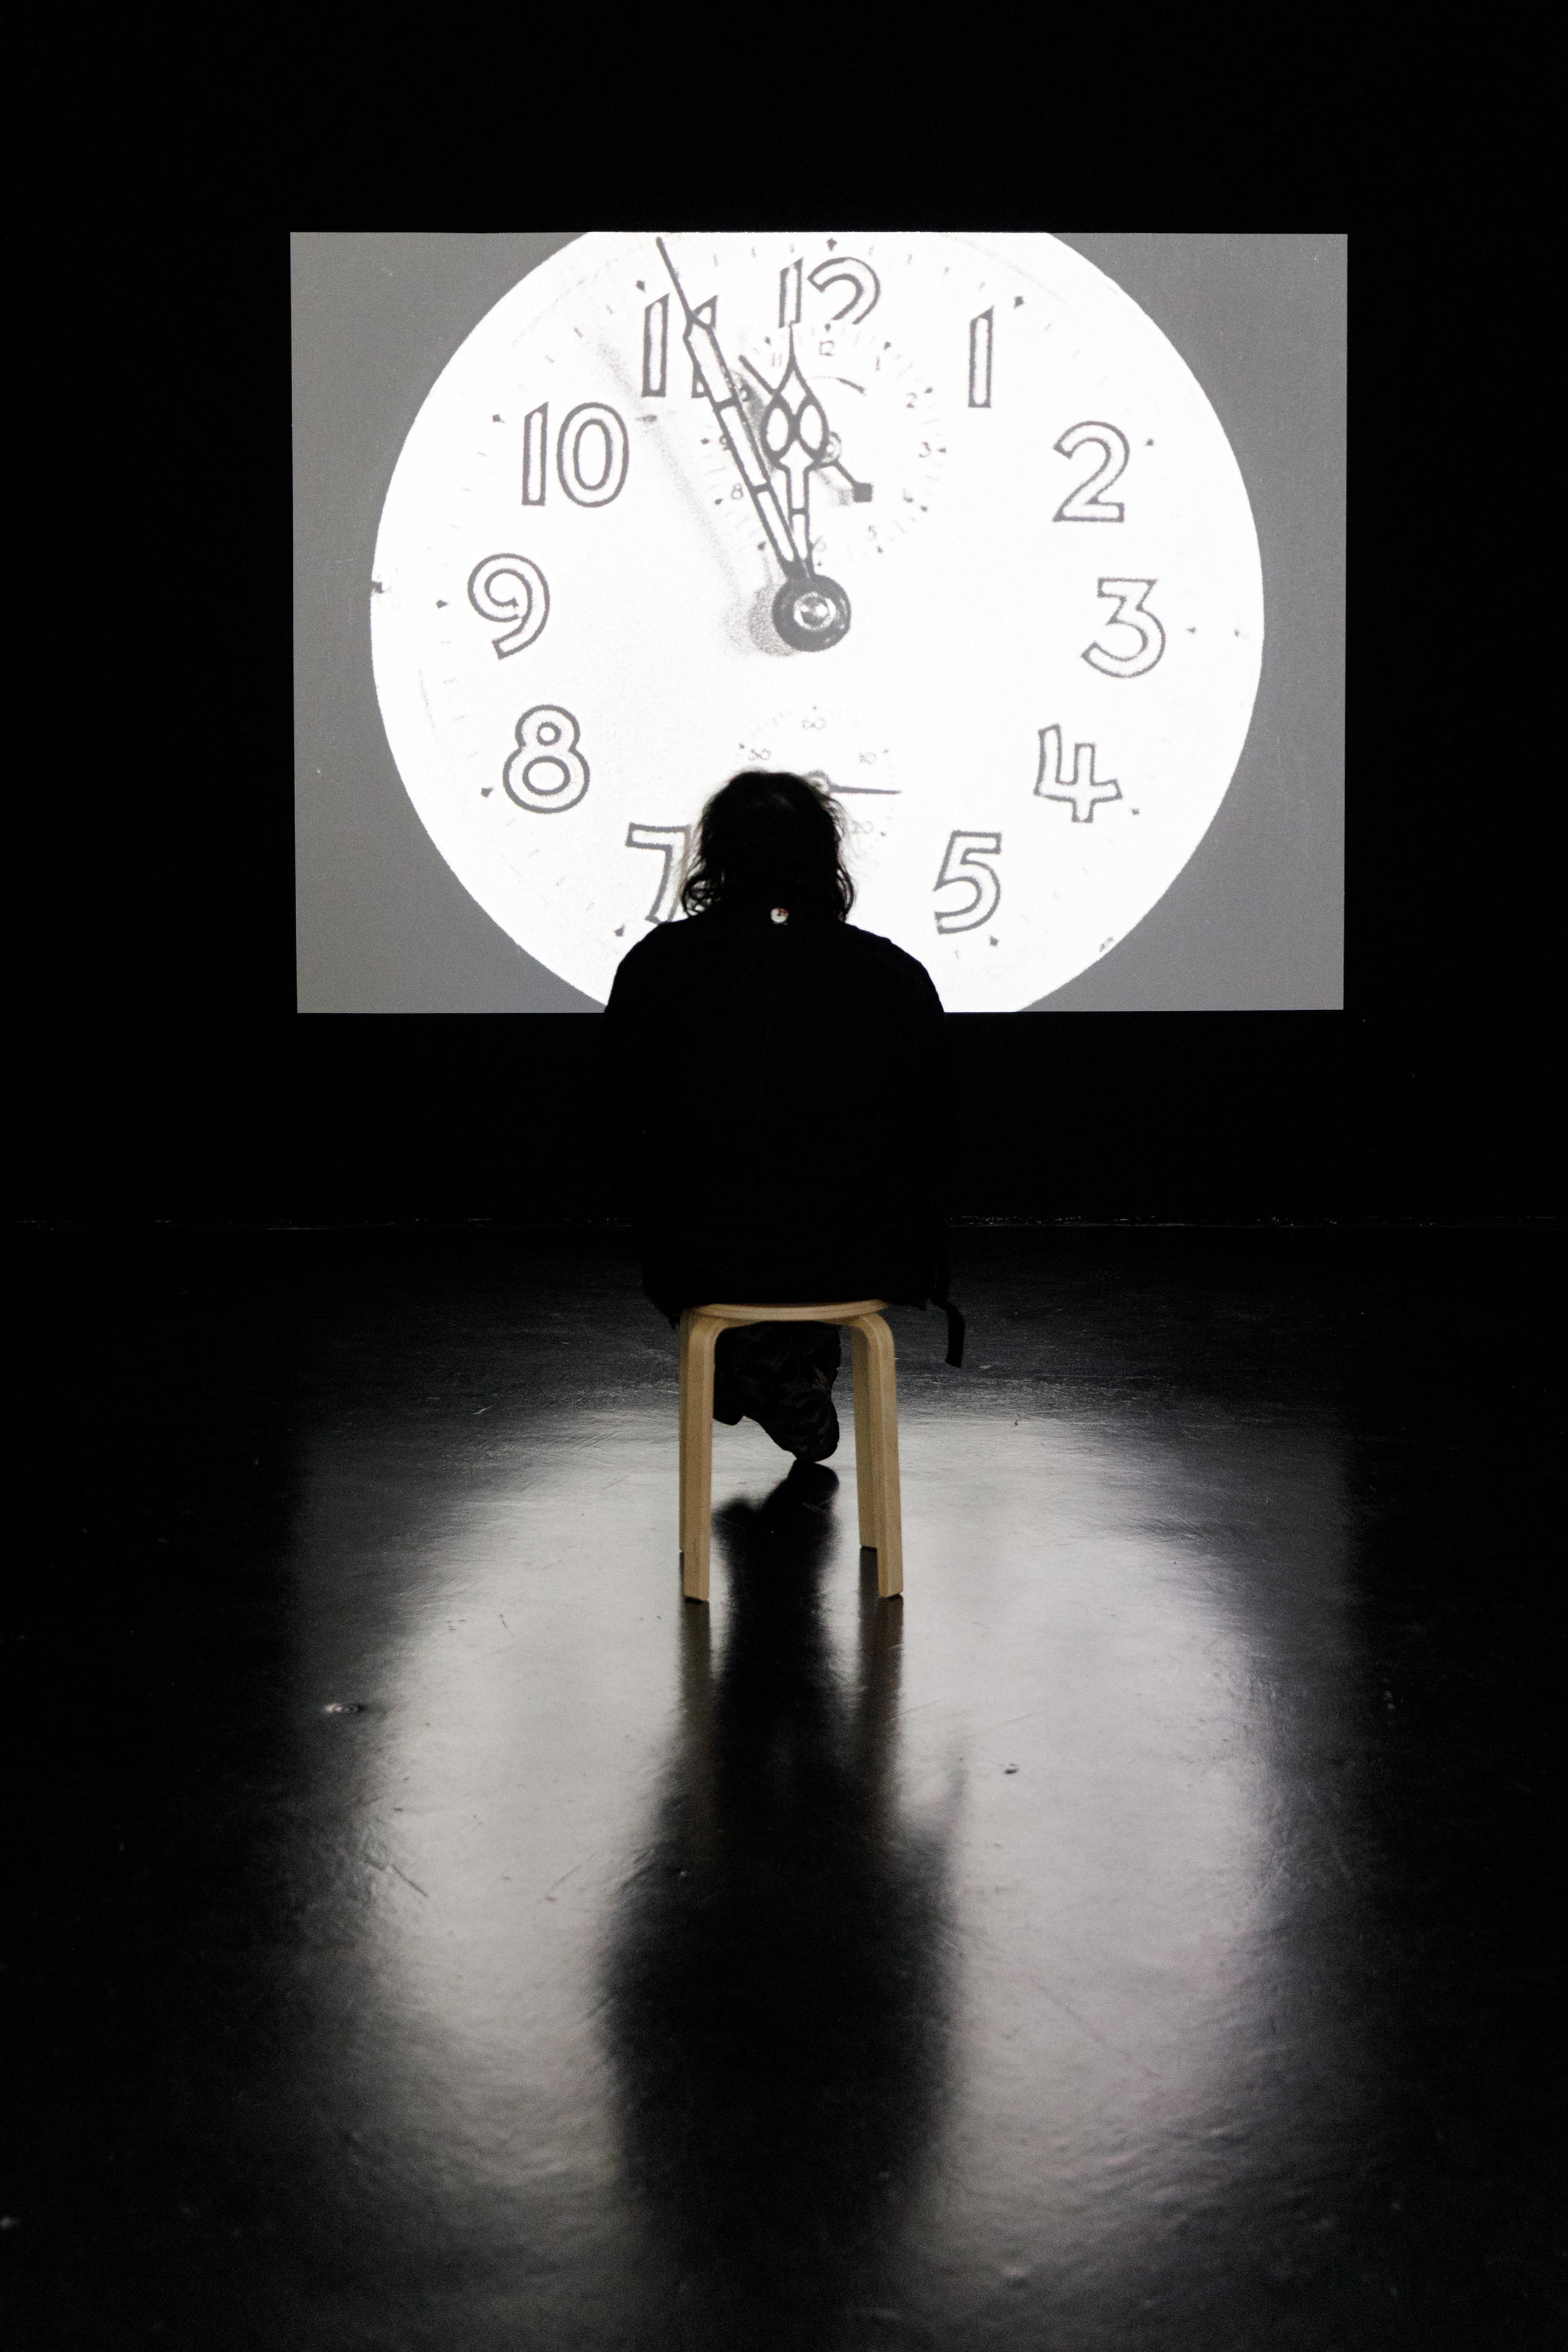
(967, 865)
(1130, 614)
(591, 453)
(674, 841)
(511, 588)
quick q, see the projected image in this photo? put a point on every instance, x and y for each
(944, 521)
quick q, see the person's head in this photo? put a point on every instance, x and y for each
(769, 840)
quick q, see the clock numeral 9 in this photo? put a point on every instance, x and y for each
(494, 587)
(1085, 504)
(547, 773)
(967, 865)
(1130, 614)
(592, 454)
(673, 840)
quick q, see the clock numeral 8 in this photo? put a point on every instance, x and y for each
(968, 865)
(493, 590)
(547, 773)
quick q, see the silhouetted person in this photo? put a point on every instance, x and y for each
(780, 1088)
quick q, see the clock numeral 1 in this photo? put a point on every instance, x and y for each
(968, 865)
(547, 773)
(674, 841)
(656, 348)
(1084, 790)
(980, 360)
(535, 460)
(789, 295)
(1085, 504)
(509, 588)
(1130, 614)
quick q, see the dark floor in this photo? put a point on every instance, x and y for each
(1135, 1940)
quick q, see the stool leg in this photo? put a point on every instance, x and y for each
(881, 1413)
(866, 1472)
(698, 1334)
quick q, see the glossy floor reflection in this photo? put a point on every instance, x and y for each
(447, 1938)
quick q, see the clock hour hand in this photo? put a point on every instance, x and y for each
(809, 612)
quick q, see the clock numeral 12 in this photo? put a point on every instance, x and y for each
(592, 454)
(1130, 614)
(1085, 791)
(968, 865)
(493, 588)
(673, 840)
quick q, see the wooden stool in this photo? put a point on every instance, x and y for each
(876, 1431)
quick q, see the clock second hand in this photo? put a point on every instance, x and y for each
(723, 396)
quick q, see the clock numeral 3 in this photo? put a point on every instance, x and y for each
(673, 840)
(1130, 614)
(509, 588)
(547, 773)
(967, 865)
(1083, 789)
(1085, 504)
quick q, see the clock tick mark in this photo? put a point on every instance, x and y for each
(376, 590)
(497, 420)
(1017, 305)
(441, 603)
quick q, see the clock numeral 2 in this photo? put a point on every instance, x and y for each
(980, 359)
(591, 453)
(1084, 789)
(865, 287)
(1130, 614)
(547, 773)
(673, 840)
(967, 865)
(494, 587)
(1085, 504)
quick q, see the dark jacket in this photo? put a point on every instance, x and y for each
(776, 1096)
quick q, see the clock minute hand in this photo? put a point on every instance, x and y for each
(723, 396)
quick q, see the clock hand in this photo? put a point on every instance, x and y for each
(809, 612)
(723, 397)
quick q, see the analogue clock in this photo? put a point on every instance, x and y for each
(943, 520)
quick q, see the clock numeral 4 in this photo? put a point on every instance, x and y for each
(591, 453)
(511, 588)
(964, 860)
(547, 773)
(673, 840)
(1085, 504)
(1130, 614)
(1083, 789)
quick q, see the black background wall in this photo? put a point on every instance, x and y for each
(163, 1073)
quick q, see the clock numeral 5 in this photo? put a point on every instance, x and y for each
(547, 773)
(674, 841)
(1085, 504)
(511, 588)
(967, 865)
(1130, 614)
(1084, 790)
(592, 454)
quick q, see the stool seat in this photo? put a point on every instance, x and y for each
(876, 1430)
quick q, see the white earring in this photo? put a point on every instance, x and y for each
(780, 914)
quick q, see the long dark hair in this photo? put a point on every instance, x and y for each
(770, 841)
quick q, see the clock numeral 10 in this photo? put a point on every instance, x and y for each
(674, 841)
(511, 588)
(967, 863)
(1084, 790)
(1130, 614)
(592, 454)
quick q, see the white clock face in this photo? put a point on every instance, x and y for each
(943, 520)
